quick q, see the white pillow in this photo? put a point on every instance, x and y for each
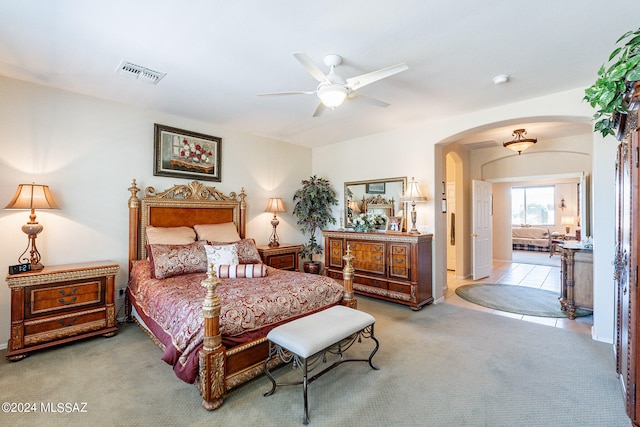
(221, 255)
(224, 232)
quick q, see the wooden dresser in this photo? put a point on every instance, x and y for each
(59, 304)
(391, 266)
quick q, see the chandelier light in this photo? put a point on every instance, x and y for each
(332, 95)
(520, 143)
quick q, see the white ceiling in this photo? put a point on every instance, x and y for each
(219, 54)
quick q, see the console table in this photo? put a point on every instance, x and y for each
(576, 285)
(391, 266)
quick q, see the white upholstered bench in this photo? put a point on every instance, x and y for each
(307, 340)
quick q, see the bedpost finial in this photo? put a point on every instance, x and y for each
(347, 279)
(133, 200)
(212, 281)
(211, 311)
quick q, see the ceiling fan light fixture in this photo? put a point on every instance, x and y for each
(520, 143)
(332, 95)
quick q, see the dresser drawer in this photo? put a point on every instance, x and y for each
(375, 283)
(334, 274)
(62, 326)
(61, 297)
(399, 287)
(283, 262)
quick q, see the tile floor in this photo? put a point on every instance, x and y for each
(514, 273)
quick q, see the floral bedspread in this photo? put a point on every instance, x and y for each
(175, 303)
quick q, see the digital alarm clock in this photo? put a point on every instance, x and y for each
(19, 268)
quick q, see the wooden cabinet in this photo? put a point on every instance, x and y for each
(59, 304)
(576, 285)
(284, 257)
(391, 266)
(627, 255)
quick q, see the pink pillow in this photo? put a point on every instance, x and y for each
(170, 235)
(224, 232)
(173, 260)
(241, 271)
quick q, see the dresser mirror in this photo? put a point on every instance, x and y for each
(374, 195)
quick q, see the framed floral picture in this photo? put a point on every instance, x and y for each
(185, 154)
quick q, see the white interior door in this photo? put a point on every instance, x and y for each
(481, 234)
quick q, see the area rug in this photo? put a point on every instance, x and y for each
(516, 299)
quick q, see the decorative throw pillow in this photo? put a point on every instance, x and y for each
(225, 232)
(241, 271)
(221, 254)
(173, 260)
(247, 251)
(170, 235)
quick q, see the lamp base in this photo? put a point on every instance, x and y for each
(32, 228)
(273, 240)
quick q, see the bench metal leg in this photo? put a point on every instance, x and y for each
(336, 349)
(305, 420)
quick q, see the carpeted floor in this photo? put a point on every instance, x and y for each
(441, 366)
(516, 299)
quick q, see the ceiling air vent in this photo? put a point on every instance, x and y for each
(142, 73)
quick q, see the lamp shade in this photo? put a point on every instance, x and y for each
(567, 220)
(413, 193)
(353, 205)
(275, 204)
(32, 196)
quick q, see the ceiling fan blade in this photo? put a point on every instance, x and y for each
(319, 110)
(293, 92)
(368, 78)
(358, 97)
(312, 68)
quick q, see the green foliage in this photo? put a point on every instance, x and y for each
(607, 94)
(313, 203)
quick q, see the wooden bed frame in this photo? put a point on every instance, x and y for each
(220, 369)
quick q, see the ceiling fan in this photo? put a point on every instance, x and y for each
(333, 89)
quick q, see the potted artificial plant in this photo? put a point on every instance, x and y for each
(312, 207)
(609, 93)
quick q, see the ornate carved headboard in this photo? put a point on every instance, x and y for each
(181, 205)
(379, 204)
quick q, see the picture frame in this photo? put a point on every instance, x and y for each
(395, 224)
(375, 188)
(184, 154)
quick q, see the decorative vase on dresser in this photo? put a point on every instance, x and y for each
(391, 266)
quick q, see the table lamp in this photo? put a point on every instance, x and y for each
(32, 196)
(413, 195)
(275, 204)
(568, 222)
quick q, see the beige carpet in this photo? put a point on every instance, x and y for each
(441, 366)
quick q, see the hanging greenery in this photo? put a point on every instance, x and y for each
(614, 80)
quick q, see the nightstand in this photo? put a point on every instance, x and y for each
(284, 257)
(60, 304)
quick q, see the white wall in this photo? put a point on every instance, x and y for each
(88, 150)
(367, 158)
